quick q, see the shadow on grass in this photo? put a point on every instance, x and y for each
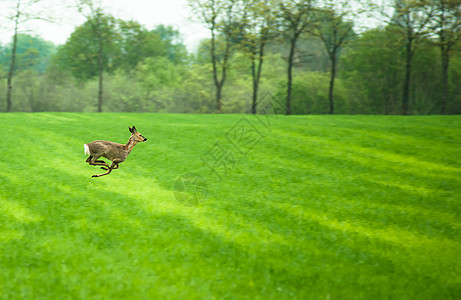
(93, 239)
(295, 229)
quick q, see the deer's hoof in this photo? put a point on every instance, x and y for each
(94, 176)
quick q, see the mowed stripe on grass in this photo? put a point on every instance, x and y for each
(307, 207)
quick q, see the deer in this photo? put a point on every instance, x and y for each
(115, 152)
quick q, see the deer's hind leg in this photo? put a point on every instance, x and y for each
(93, 160)
(113, 166)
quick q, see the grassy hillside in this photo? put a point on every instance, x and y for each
(306, 207)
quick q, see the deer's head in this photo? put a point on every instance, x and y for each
(135, 135)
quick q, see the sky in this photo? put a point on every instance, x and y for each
(147, 12)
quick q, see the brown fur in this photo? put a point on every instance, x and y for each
(115, 152)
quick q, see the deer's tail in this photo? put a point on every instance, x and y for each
(87, 150)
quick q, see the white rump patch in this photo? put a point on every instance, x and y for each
(87, 150)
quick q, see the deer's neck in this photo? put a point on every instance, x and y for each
(130, 145)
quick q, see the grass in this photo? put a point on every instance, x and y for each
(306, 207)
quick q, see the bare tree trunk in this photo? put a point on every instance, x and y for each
(290, 74)
(9, 89)
(217, 82)
(95, 18)
(332, 82)
(445, 91)
(218, 97)
(255, 86)
(218, 85)
(256, 74)
(406, 84)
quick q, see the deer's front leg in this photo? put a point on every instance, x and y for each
(104, 168)
(114, 165)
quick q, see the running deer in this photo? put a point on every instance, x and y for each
(114, 152)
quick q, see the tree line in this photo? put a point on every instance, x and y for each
(310, 55)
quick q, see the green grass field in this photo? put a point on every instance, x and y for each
(301, 207)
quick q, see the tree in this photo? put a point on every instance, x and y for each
(296, 17)
(134, 44)
(333, 30)
(84, 56)
(22, 12)
(226, 20)
(100, 29)
(172, 43)
(137, 43)
(261, 28)
(31, 53)
(410, 19)
(446, 24)
(95, 42)
(374, 72)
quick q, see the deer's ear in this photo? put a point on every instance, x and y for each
(134, 129)
(130, 129)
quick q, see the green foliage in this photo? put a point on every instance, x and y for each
(339, 207)
(374, 70)
(126, 44)
(310, 94)
(373, 66)
(159, 72)
(172, 42)
(454, 106)
(81, 52)
(426, 80)
(49, 92)
(332, 30)
(173, 88)
(125, 93)
(4, 66)
(150, 70)
(32, 54)
(136, 44)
